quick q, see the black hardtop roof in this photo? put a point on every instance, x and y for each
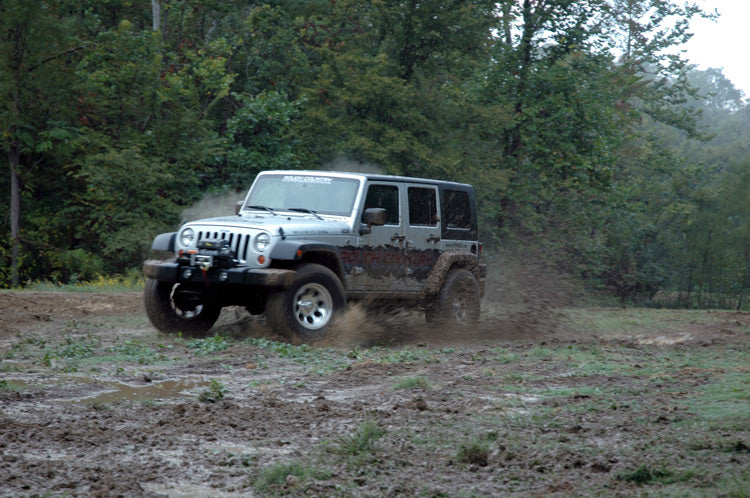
(378, 177)
(393, 178)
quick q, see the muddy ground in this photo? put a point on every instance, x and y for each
(95, 402)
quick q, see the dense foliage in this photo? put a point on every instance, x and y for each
(590, 141)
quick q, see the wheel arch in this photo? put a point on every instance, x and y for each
(287, 254)
(446, 262)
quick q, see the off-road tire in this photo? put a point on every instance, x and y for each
(305, 311)
(168, 318)
(457, 303)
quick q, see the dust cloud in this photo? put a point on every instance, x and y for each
(342, 164)
(213, 205)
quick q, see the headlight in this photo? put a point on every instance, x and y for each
(187, 237)
(261, 242)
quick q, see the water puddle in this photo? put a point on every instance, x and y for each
(663, 340)
(188, 490)
(117, 391)
(14, 384)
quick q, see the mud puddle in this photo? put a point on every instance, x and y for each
(118, 391)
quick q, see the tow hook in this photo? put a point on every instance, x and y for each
(204, 262)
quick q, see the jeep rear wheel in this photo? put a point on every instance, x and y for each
(170, 316)
(306, 310)
(457, 303)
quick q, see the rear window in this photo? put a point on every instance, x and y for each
(422, 207)
(457, 214)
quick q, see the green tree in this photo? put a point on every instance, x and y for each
(37, 47)
(736, 215)
(389, 84)
(146, 118)
(648, 35)
(259, 136)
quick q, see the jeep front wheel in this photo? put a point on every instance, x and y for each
(306, 309)
(171, 316)
(457, 303)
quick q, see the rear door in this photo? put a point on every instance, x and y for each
(422, 231)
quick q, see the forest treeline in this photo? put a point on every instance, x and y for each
(592, 144)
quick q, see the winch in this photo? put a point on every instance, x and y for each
(213, 254)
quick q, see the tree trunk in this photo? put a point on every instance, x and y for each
(14, 158)
(531, 19)
(156, 12)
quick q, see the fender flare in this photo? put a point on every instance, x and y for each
(304, 250)
(445, 262)
(164, 242)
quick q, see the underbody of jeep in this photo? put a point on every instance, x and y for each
(302, 244)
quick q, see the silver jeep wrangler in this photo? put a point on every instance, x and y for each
(303, 243)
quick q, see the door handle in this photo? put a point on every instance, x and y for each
(397, 238)
(433, 238)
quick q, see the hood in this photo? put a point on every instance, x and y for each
(290, 224)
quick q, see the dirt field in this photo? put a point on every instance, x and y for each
(535, 402)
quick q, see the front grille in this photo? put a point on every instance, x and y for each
(238, 242)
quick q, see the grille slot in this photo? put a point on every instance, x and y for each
(238, 242)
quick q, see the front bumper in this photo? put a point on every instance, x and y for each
(167, 271)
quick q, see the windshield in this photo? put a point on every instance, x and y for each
(304, 193)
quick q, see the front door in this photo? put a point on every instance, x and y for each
(375, 262)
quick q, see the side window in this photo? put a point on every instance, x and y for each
(457, 213)
(422, 207)
(384, 196)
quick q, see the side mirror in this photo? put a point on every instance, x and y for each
(372, 216)
(238, 207)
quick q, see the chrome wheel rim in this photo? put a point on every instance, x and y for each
(460, 307)
(313, 306)
(182, 313)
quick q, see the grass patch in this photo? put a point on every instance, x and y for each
(381, 354)
(134, 350)
(723, 403)
(645, 475)
(287, 477)
(411, 383)
(77, 348)
(476, 451)
(208, 345)
(275, 476)
(24, 346)
(732, 389)
(68, 355)
(636, 320)
(71, 352)
(325, 361)
(361, 441)
(131, 281)
(213, 393)
(319, 360)
(10, 386)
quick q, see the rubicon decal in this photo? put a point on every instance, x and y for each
(384, 261)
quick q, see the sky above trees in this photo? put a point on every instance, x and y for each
(723, 43)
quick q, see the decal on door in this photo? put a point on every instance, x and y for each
(380, 262)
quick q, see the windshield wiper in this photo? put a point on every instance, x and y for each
(305, 210)
(262, 208)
